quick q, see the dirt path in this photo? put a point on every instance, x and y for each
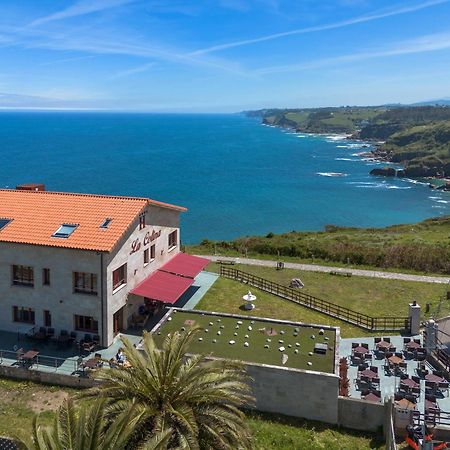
(327, 269)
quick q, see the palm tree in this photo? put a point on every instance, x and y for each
(86, 428)
(198, 399)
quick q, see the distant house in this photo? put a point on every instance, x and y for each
(87, 263)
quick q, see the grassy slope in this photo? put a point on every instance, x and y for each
(378, 297)
(17, 406)
(427, 243)
(424, 145)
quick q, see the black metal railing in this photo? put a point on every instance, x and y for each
(432, 417)
(440, 352)
(331, 309)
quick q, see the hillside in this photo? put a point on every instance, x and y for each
(416, 136)
(423, 149)
(423, 247)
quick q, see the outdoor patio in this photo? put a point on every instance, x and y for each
(65, 359)
(389, 384)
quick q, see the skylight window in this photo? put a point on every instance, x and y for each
(106, 223)
(64, 231)
(4, 222)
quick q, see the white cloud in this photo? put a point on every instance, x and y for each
(331, 26)
(81, 8)
(422, 44)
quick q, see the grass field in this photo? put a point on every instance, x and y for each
(264, 340)
(377, 297)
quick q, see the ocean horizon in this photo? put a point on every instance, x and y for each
(236, 176)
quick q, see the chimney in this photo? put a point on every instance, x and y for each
(30, 187)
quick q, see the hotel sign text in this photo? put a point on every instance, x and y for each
(149, 237)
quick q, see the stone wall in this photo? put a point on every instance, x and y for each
(46, 377)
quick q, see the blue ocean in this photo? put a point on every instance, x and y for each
(236, 176)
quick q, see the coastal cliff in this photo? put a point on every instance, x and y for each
(417, 137)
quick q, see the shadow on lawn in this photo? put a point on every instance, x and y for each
(376, 439)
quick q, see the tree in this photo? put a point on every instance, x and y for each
(86, 428)
(198, 399)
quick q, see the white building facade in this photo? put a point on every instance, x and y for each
(69, 261)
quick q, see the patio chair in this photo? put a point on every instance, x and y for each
(416, 391)
(443, 387)
(406, 340)
(430, 398)
(87, 338)
(374, 369)
(417, 341)
(96, 339)
(387, 339)
(376, 340)
(399, 354)
(365, 346)
(362, 367)
(416, 379)
(411, 398)
(399, 396)
(73, 336)
(388, 354)
(365, 379)
(362, 386)
(88, 346)
(393, 349)
(377, 392)
(404, 376)
(407, 354)
(63, 333)
(50, 332)
(355, 344)
(368, 356)
(375, 382)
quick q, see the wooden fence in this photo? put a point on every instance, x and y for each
(331, 309)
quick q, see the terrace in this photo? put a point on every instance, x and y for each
(406, 375)
(263, 341)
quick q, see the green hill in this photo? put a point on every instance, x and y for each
(423, 247)
(424, 149)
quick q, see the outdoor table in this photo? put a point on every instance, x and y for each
(435, 378)
(413, 345)
(409, 383)
(90, 363)
(29, 355)
(371, 397)
(40, 336)
(405, 404)
(431, 405)
(368, 373)
(395, 360)
(360, 349)
(384, 345)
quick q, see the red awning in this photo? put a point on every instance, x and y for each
(163, 286)
(185, 265)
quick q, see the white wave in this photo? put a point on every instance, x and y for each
(435, 198)
(442, 201)
(343, 159)
(342, 146)
(361, 182)
(409, 180)
(301, 136)
(399, 187)
(332, 174)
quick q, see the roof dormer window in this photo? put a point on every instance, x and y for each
(64, 231)
(105, 223)
(4, 222)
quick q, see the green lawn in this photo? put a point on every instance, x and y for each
(377, 297)
(271, 431)
(264, 340)
(20, 400)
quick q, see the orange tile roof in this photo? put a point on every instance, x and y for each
(36, 215)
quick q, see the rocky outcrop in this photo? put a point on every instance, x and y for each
(384, 172)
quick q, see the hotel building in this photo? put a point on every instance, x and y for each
(87, 263)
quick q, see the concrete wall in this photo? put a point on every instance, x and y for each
(46, 377)
(298, 393)
(58, 297)
(359, 414)
(158, 220)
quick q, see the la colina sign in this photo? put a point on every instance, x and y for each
(149, 237)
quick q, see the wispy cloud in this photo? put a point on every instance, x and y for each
(81, 8)
(133, 70)
(345, 23)
(423, 44)
(64, 60)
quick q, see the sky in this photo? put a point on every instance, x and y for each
(221, 55)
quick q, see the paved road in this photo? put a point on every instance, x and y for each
(316, 268)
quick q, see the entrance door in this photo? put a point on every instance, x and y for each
(47, 319)
(118, 321)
